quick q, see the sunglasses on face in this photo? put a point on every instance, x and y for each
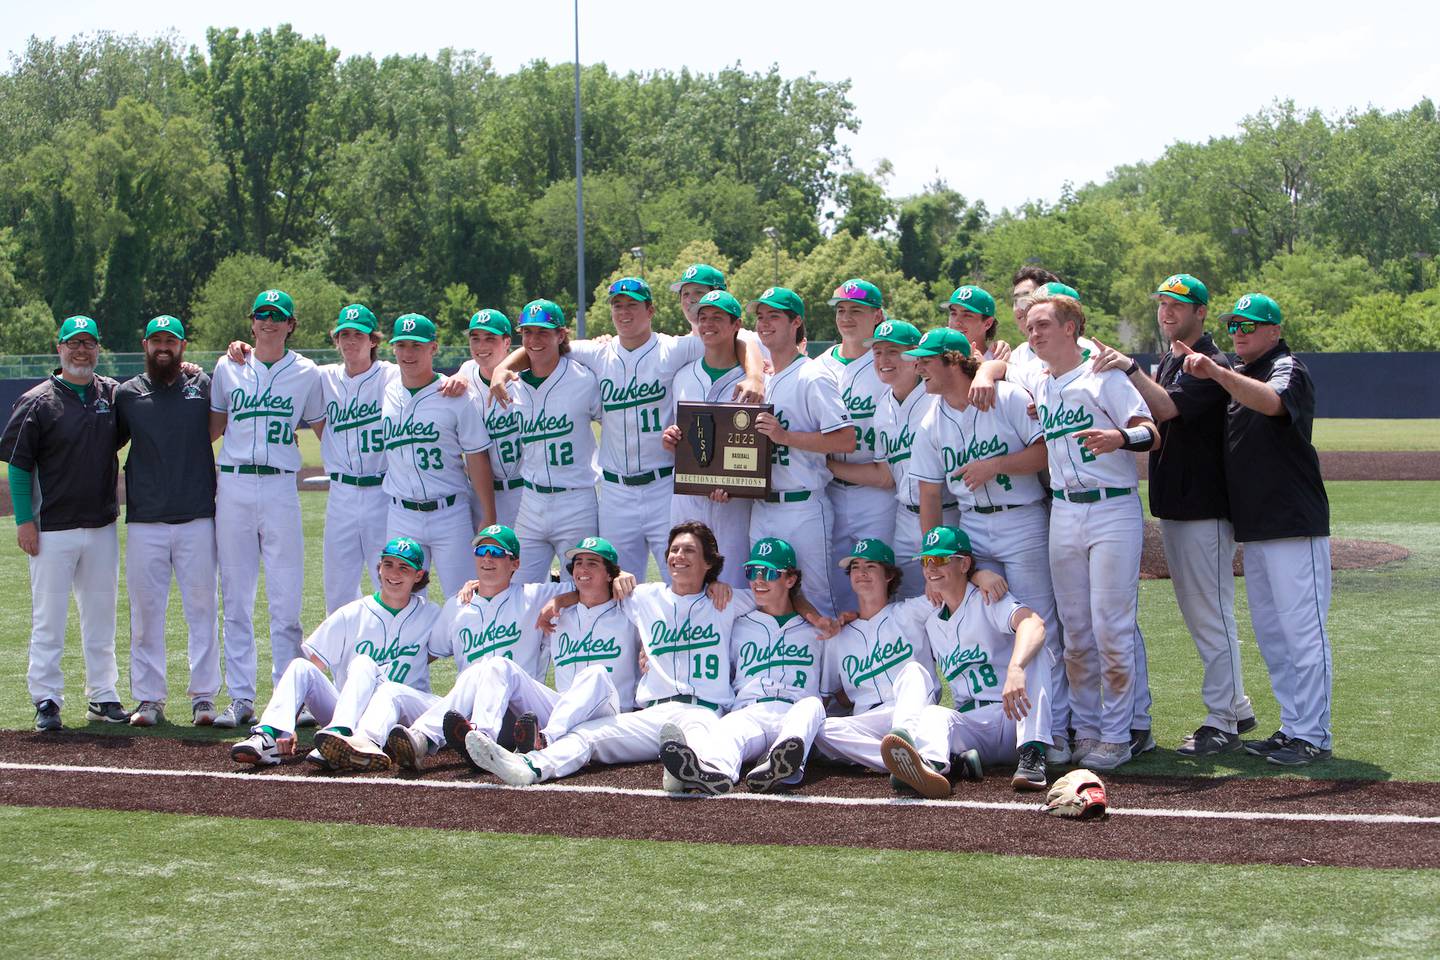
(1241, 326)
(935, 561)
(268, 317)
(491, 550)
(754, 571)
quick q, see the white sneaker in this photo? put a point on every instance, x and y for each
(1083, 747)
(493, 758)
(259, 749)
(240, 713)
(1106, 756)
(147, 713)
(202, 713)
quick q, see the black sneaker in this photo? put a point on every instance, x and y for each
(1141, 741)
(47, 716)
(1246, 725)
(107, 712)
(1297, 753)
(457, 727)
(1030, 774)
(967, 766)
(1263, 748)
(527, 733)
(1207, 742)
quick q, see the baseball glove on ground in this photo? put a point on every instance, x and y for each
(1078, 794)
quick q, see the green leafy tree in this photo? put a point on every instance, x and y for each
(26, 324)
(220, 312)
(452, 319)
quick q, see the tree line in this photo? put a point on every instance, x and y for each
(139, 176)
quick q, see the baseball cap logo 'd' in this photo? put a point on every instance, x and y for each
(272, 296)
(352, 314)
(589, 543)
(1176, 284)
(769, 292)
(765, 549)
(407, 326)
(885, 329)
(82, 324)
(690, 272)
(1243, 303)
(965, 293)
(933, 538)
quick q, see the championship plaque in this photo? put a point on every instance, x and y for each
(721, 449)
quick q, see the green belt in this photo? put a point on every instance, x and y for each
(1091, 496)
(539, 489)
(1003, 506)
(790, 496)
(254, 468)
(943, 506)
(514, 483)
(426, 506)
(684, 698)
(639, 479)
(358, 481)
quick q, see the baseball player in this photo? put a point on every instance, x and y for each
(1026, 281)
(435, 456)
(1188, 497)
(257, 406)
(860, 511)
(971, 310)
(809, 423)
(987, 460)
(60, 442)
(593, 646)
(385, 636)
(1092, 421)
(698, 280)
(714, 378)
(489, 337)
(1282, 514)
(164, 413)
(1025, 366)
(992, 657)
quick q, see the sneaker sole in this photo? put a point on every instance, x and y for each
(1235, 746)
(1259, 751)
(906, 765)
(338, 752)
(685, 767)
(1022, 782)
(527, 733)
(489, 757)
(785, 761)
(1105, 763)
(401, 750)
(456, 727)
(253, 757)
(1297, 762)
(97, 718)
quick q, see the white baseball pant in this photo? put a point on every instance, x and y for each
(391, 703)
(860, 513)
(746, 735)
(1201, 557)
(301, 685)
(257, 518)
(906, 544)
(551, 523)
(1095, 566)
(806, 526)
(940, 732)
(152, 551)
(355, 526)
(445, 534)
(857, 739)
(1287, 583)
(507, 506)
(730, 522)
(624, 738)
(636, 522)
(87, 561)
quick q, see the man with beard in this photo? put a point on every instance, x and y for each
(170, 521)
(60, 444)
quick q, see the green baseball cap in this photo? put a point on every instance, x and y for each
(413, 327)
(632, 287)
(274, 300)
(1182, 287)
(74, 326)
(599, 546)
(701, 273)
(165, 324)
(1057, 289)
(897, 332)
(403, 548)
(938, 341)
(877, 550)
(974, 299)
(860, 291)
(774, 553)
(945, 542)
(491, 321)
(357, 316)
(781, 298)
(722, 300)
(1257, 307)
(500, 535)
(542, 313)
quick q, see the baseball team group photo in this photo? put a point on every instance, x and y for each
(896, 538)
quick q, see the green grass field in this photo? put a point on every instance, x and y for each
(115, 885)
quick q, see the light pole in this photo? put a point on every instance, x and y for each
(579, 196)
(774, 236)
(639, 254)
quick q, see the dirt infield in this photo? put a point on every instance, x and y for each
(1344, 554)
(1156, 819)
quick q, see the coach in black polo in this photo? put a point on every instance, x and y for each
(1282, 514)
(1188, 496)
(170, 520)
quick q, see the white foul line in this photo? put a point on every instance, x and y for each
(808, 799)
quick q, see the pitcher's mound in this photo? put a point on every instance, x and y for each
(1344, 554)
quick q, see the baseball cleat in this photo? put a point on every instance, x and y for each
(967, 766)
(406, 748)
(108, 712)
(904, 762)
(489, 756)
(1207, 742)
(305, 719)
(259, 749)
(1297, 753)
(457, 727)
(47, 716)
(1263, 748)
(782, 767)
(350, 753)
(240, 713)
(527, 733)
(1107, 756)
(1141, 741)
(203, 713)
(316, 759)
(1030, 774)
(681, 763)
(147, 713)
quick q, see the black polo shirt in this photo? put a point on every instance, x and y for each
(69, 445)
(170, 469)
(1187, 472)
(1271, 467)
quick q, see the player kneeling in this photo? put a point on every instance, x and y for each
(364, 643)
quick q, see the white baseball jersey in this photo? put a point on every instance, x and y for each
(860, 389)
(1026, 369)
(897, 424)
(950, 438)
(1079, 400)
(502, 423)
(635, 396)
(868, 654)
(427, 436)
(555, 418)
(498, 626)
(265, 405)
(778, 661)
(602, 634)
(687, 643)
(402, 643)
(354, 439)
(695, 382)
(972, 645)
(806, 400)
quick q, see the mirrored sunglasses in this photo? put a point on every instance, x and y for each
(935, 561)
(491, 550)
(754, 571)
(1241, 326)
